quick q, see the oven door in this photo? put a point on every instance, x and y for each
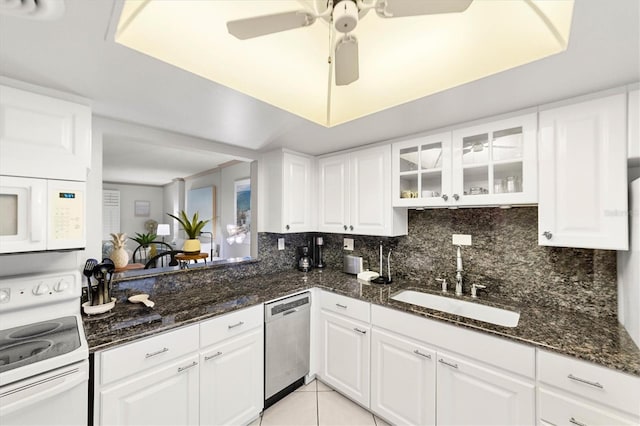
(22, 214)
(59, 397)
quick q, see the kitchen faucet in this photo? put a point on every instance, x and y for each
(458, 273)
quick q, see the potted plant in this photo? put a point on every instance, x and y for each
(144, 240)
(192, 228)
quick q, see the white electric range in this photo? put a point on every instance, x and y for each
(44, 367)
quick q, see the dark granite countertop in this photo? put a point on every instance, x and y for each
(181, 299)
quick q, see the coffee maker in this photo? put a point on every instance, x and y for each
(305, 263)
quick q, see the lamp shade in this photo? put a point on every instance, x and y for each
(163, 229)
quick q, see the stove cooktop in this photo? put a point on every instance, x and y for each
(31, 343)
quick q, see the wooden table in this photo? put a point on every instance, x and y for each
(130, 267)
(184, 258)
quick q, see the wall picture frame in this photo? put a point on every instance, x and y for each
(142, 208)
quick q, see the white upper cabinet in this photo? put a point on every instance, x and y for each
(633, 149)
(44, 137)
(285, 192)
(355, 194)
(495, 163)
(583, 175)
(422, 171)
(488, 164)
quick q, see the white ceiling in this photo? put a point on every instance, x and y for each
(72, 55)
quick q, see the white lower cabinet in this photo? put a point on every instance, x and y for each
(231, 380)
(344, 355)
(470, 393)
(211, 373)
(166, 395)
(403, 379)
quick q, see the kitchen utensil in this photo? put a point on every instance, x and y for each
(101, 273)
(88, 271)
(142, 298)
(108, 275)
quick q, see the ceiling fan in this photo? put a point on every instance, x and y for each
(343, 15)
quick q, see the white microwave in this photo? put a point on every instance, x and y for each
(41, 214)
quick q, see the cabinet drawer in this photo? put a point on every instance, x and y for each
(347, 306)
(220, 328)
(138, 356)
(558, 409)
(591, 381)
(499, 352)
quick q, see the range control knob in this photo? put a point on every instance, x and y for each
(41, 289)
(5, 295)
(61, 285)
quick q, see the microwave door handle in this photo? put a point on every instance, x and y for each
(36, 207)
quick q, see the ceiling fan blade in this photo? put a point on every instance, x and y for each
(401, 8)
(346, 60)
(268, 24)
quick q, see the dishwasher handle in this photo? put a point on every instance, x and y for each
(287, 306)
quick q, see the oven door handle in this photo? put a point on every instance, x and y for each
(17, 397)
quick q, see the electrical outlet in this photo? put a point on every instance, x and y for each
(348, 244)
(280, 243)
(461, 240)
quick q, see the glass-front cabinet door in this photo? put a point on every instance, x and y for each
(422, 171)
(495, 163)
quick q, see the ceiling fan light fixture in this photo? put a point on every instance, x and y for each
(345, 16)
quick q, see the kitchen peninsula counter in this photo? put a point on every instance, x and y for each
(187, 297)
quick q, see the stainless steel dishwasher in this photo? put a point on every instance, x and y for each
(286, 348)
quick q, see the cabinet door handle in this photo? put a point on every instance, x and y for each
(417, 352)
(360, 331)
(341, 306)
(181, 369)
(350, 227)
(442, 361)
(575, 422)
(345, 227)
(152, 354)
(445, 197)
(578, 379)
(287, 227)
(236, 325)
(217, 354)
(547, 235)
(456, 197)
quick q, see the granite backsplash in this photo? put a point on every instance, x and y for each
(505, 256)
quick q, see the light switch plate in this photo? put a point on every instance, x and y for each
(461, 240)
(280, 243)
(348, 244)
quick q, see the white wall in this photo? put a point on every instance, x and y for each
(129, 222)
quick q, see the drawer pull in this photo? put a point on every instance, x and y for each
(152, 354)
(341, 306)
(236, 325)
(442, 361)
(360, 331)
(578, 379)
(417, 352)
(217, 354)
(575, 422)
(181, 369)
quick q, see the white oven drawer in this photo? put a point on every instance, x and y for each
(600, 384)
(347, 306)
(133, 358)
(220, 328)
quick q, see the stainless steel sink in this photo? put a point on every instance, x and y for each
(462, 308)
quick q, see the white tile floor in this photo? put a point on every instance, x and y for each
(316, 404)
